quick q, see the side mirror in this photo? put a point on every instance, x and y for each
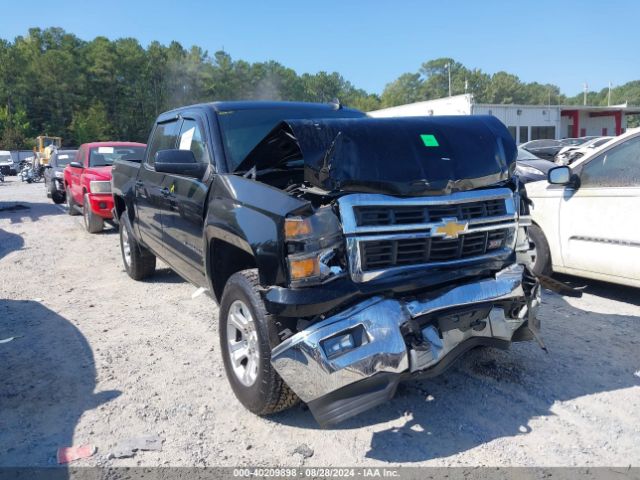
(179, 162)
(75, 165)
(559, 175)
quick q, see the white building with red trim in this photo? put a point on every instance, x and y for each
(527, 122)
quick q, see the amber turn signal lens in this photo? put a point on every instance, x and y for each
(305, 268)
(296, 227)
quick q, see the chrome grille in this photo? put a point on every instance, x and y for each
(378, 254)
(368, 216)
(385, 234)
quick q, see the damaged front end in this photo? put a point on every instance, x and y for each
(355, 359)
(411, 251)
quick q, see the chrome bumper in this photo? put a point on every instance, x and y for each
(303, 364)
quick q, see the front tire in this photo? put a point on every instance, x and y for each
(541, 255)
(92, 222)
(245, 332)
(139, 262)
(58, 197)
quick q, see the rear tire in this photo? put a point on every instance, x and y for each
(139, 262)
(92, 222)
(541, 255)
(71, 204)
(246, 329)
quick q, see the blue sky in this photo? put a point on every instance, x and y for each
(566, 42)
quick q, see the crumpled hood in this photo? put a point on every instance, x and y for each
(402, 156)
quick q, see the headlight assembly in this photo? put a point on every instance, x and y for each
(524, 170)
(97, 186)
(58, 174)
(313, 247)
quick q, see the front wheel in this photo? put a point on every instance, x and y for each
(245, 330)
(92, 222)
(540, 253)
(58, 197)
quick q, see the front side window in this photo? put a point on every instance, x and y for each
(617, 167)
(191, 138)
(105, 156)
(164, 138)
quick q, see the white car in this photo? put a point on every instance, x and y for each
(585, 217)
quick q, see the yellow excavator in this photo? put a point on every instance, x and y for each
(45, 146)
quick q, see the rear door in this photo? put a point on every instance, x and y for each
(183, 218)
(598, 222)
(150, 200)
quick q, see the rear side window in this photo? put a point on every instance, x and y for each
(164, 138)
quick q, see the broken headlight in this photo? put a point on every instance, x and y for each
(313, 247)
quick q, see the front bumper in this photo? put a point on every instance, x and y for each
(101, 204)
(403, 337)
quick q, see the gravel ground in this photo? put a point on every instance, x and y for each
(100, 358)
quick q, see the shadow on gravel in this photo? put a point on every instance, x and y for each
(165, 275)
(9, 242)
(48, 380)
(16, 212)
(489, 394)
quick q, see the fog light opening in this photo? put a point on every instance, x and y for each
(344, 342)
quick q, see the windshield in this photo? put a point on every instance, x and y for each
(242, 130)
(5, 156)
(64, 157)
(105, 156)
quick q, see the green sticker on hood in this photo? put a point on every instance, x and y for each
(429, 140)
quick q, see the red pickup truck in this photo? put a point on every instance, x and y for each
(87, 180)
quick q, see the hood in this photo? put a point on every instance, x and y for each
(100, 173)
(401, 156)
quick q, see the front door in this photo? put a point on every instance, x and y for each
(151, 200)
(598, 228)
(183, 219)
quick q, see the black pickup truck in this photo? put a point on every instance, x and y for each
(346, 253)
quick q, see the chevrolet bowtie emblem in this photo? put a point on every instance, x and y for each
(450, 228)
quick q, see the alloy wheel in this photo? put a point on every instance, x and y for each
(242, 342)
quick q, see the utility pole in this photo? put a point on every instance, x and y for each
(448, 67)
(609, 95)
(586, 88)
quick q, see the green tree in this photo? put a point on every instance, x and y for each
(14, 128)
(90, 125)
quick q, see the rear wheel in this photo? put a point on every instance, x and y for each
(245, 330)
(138, 261)
(540, 254)
(71, 204)
(92, 222)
